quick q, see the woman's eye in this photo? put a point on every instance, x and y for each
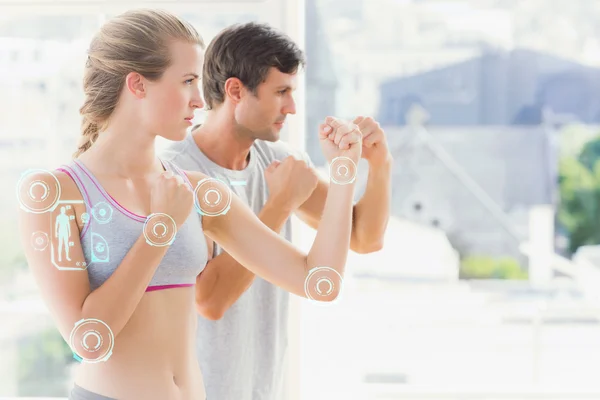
(282, 92)
(189, 81)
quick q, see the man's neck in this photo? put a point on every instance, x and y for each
(219, 141)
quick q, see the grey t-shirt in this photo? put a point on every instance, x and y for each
(242, 356)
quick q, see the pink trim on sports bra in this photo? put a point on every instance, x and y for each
(162, 287)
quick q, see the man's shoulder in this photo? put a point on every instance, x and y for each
(278, 150)
(181, 155)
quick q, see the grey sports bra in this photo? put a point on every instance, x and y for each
(111, 230)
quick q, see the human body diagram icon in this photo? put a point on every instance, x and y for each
(39, 192)
(62, 228)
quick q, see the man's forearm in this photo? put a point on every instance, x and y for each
(371, 213)
(224, 280)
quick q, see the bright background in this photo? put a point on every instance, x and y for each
(487, 287)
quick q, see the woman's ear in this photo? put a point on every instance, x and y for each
(136, 84)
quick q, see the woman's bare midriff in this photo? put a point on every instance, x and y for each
(154, 356)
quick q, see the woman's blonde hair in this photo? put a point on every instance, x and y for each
(136, 41)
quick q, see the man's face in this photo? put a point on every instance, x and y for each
(263, 115)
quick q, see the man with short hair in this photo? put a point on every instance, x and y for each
(248, 78)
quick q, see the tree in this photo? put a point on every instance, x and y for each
(486, 267)
(44, 358)
(590, 154)
(579, 185)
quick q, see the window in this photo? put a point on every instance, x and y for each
(465, 294)
(406, 320)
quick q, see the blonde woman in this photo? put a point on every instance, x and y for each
(132, 226)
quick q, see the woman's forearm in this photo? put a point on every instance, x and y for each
(330, 248)
(117, 298)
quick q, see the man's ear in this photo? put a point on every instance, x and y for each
(136, 84)
(234, 89)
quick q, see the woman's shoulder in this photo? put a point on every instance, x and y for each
(42, 193)
(57, 184)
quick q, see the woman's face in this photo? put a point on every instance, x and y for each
(171, 101)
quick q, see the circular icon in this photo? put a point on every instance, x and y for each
(92, 340)
(39, 240)
(342, 170)
(38, 191)
(323, 284)
(160, 229)
(212, 197)
(101, 212)
(85, 218)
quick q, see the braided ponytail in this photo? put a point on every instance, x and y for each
(89, 135)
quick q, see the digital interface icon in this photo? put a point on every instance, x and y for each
(63, 230)
(212, 197)
(342, 170)
(38, 191)
(323, 284)
(85, 218)
(102, 213)
(100, 250)
(91, 341)
(160, 230)
(238, 183)
(39, 240)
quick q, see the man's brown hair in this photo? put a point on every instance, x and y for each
(247, 52)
